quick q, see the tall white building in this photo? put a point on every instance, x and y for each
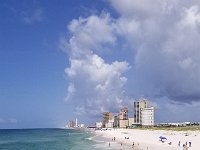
(143, 114)
(147, 116)
(138, 105)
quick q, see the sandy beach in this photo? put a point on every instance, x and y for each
(149, 139)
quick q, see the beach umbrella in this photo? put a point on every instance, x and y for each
(162, 138)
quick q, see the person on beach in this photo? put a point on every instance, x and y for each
(114, 138)
(121, 143)
(109, 144)
(184, 147)
(190, 144)
(179, 143)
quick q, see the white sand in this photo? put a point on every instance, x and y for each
(149, 139)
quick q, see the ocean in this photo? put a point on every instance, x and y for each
(48, 139)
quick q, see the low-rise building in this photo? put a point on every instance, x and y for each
(123, 123)
(98, 124)
(130, 122)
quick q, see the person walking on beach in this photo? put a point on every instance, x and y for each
(190, 144)
(109, 144)
(179, 143)
(114, 138)
(133, 144)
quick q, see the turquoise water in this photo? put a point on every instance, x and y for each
(45, 139)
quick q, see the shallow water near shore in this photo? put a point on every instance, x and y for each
(46, 139)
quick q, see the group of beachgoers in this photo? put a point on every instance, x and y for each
(186, 145)
(114, 138)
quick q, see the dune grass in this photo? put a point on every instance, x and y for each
(187, 128)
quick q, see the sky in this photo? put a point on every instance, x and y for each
(61, 60)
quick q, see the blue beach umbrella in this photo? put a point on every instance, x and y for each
(162, 138)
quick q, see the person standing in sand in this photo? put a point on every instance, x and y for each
(190, 144)
(133, 145)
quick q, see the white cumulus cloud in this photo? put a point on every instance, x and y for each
(95, 85)
(162, 40)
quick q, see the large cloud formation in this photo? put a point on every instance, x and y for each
(163, 38)
(95, 85)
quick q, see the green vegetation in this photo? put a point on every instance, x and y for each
(186, 128)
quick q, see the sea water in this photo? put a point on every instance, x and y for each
(47, 139)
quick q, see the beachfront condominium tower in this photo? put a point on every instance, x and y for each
(107, 116)
(123, 117)
(143, 114)
(147, 116)
(138, 105)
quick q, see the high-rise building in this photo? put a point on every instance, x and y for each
(116, 121)
(71, 124)
(147, 116)
(143, 113)
(138, 105)
(107, 116)
(123, 117)
(76, 123)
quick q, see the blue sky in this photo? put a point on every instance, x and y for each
(33, 83)
(65, 59)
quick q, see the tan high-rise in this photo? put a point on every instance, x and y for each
(138, 105)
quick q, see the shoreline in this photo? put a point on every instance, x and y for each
(149, 139)
(110, 143)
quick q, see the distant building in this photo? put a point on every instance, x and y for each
(147, 116)
(123, 117)
(110, 123)
(143, 114)
(71, 124)
(98, 124)
(81, 125)
(116, 121)
(138, 105)
(130, 122)
(76, 123)
(107, 117)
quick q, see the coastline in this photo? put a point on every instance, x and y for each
(106, 142)
(148, 139)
